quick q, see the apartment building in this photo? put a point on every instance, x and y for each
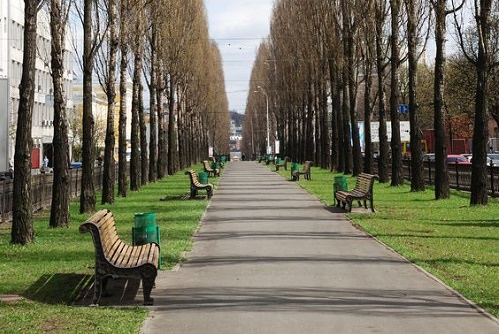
(11, 57)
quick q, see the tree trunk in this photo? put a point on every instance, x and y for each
(162, 134)
(338, 112)
(345, 106)
(87, 194)
(172, 131)
(144, 165)
(383, 156)
(122, 140)
(108, 178)
(352, 91)
(368, 149)
(349, 32)
(22, 225)
(397, 175)
(417, 176)
(325, 126)
(442, 187)
(135, 136)
(479, 195)
(59, 210)
(153, 115)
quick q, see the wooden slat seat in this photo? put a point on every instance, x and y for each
(363, 191)
(114, 258)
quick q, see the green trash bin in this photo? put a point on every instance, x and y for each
(203, 177)
(146, 230)
(294, 171)
(340, 183)
(145, 219)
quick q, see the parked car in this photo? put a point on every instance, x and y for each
(457, 159)
(493, 159)
(468, 156)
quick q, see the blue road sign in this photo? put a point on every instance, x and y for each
(403, 108)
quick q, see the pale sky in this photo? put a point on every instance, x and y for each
(238, 26)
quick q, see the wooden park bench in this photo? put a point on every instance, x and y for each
(363, 191)
(295, 174)
(114, 258)
(196, 185)
(284, 163)
(211, 171)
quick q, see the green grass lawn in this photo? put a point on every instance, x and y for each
(457, 243)
(50, 273)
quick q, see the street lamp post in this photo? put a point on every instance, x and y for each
(267, 100)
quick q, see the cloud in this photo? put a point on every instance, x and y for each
(238, 18)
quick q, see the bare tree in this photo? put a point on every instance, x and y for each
(350, 27)
(59, 211)
(162, 127)
(484, 63)
(397, 176)
(442, 188)
(153, 41)
(144, 149)
(125, 11)
(22, 225)
(415, 21)
(106, 63)
(135, 170)
(367, 49)
(382, 62)
(91, 42)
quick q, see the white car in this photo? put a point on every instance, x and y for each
(493, 159)
(429, 157)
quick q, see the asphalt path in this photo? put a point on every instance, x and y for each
(270, 258)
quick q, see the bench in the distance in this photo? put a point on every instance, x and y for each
(196, 185)
(211, 171)
(363, 191)
(295, 175)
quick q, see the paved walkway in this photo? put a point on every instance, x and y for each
(270, 258)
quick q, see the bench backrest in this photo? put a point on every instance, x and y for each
(365, 183)
(109, 248)
(306, 167)
(207, 166)
(103, 229)
(195, 178)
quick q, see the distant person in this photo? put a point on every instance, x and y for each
(243, 157)
(45, 162)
